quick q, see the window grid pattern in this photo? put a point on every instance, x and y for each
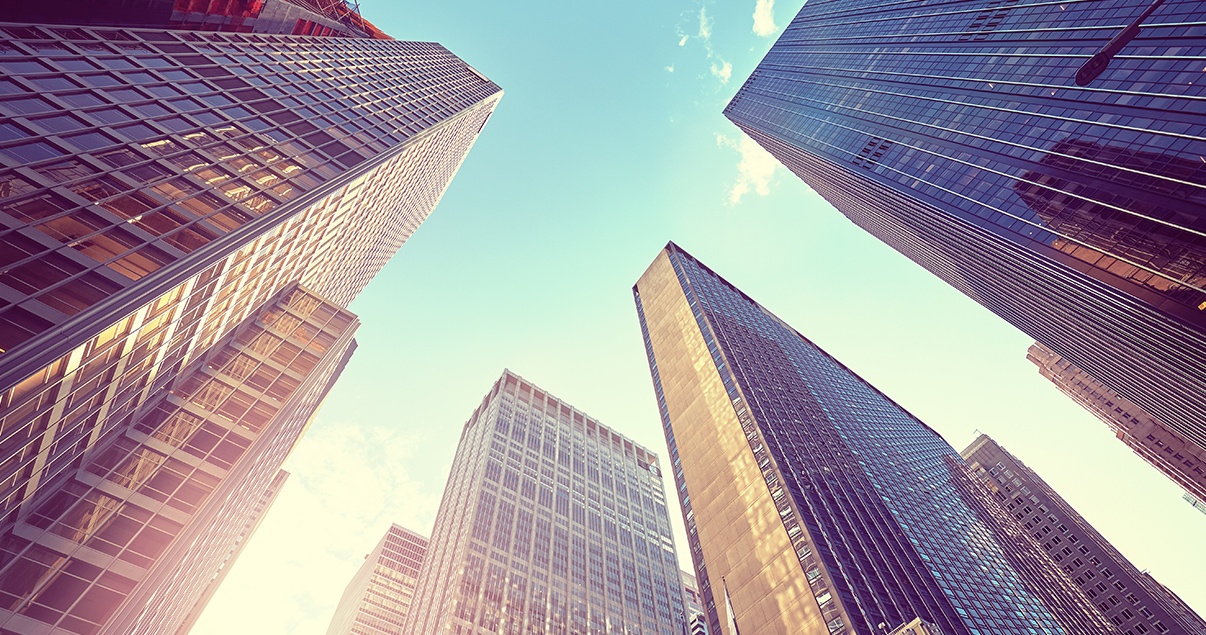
(152, 484)
(124, 151)
(868, 483)
(77, 399)
(550, 523)
(379, 596)
(1116, 588)
(934, 125)
(298, 17)
(1177, 458)
(159, 189)
(1067, 602)
(697, 622)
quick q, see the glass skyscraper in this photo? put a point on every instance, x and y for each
(186, 208)
(955, 133)
(379, 596)
(126, 538)
(1127, 597)
(550, 523)
(813, 502)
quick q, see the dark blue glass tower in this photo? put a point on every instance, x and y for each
(956, 133)
(813, 502)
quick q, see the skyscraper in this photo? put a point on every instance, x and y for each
(813, 502)
(1071, 607)
(550, 523)
(128, 538)
(697, 620)
(1178, 458)
(379, 596)
(183, 215)
(1128, 597)
(957, 135)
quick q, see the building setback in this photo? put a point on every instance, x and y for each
(550, 523)
(130, 540)
(379, 596)
(813, 502)
(956, 134)
(1176, 457)
(183, 216)
(1127, 597)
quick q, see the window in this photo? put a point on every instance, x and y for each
(31, 152)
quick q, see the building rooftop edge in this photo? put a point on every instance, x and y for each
(507, 372)
(671, 246)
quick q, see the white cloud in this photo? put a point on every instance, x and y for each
(723, 71)
(754, 170)
(670, 68)
(682, 41)
(349, 482)
(764, 18)
(705, 24)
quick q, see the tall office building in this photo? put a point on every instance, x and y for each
(813, 503)
(183, 215)
(550, 523)
(129, 536)
(1178, 458)
(254, 519)
(1066, 601)
(697, 619)
(1128, 597)
(956, 134)
(379, 596)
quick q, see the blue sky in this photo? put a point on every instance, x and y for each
(608, 142)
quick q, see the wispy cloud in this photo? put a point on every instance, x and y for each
(722, 70)
(670, 68)
(764, 18)
(682, 39)
(705, 24)
(755, 168)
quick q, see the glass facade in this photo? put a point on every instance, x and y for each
(814, 502)
(379, 596)
(133, 158)
(1120, 592)
(148, 517)
(550, 523)
(955, 133)
(1176, 457)
(160, 190)
(290, 17)
(1040, 570)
